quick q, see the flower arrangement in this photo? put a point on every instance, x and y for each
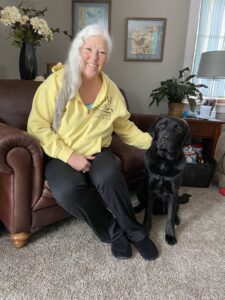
(26, 25)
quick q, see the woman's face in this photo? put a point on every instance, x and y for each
(94, 54)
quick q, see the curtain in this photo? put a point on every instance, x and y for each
(210, 36)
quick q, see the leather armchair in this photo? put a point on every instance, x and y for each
(219, 174)
(26, 201)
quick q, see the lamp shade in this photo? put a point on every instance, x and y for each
(212, 65)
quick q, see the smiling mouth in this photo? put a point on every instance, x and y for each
(92, 66)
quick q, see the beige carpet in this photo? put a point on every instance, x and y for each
(67, 261)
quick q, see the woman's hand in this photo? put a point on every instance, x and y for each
(80, 162)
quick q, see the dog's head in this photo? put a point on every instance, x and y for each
(170, 135)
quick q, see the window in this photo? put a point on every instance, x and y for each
(209, 25)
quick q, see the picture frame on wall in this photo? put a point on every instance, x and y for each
(145, 39)
(89, 12)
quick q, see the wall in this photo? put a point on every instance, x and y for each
(137, 78)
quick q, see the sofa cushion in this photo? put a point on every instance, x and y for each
(16, 99)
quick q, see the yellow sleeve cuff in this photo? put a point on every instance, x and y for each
(147, 141)
(64, 154)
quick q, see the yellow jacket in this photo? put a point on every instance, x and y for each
(82, 131)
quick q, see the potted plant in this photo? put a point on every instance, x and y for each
(177, 90)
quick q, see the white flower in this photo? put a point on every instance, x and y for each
(10, 15)
(41, 27)
(26, 26)
(24, 19)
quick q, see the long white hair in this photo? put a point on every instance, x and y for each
(72, 70)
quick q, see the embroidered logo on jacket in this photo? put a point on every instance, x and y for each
(104, 110)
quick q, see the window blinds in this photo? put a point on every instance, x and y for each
(210, 36)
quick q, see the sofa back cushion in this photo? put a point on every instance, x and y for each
(16, 98)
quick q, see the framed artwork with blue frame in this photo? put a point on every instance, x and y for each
(89, 12)
(145, 39)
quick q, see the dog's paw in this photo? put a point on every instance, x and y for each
(171, 240)
(184, 198)
(177, 220)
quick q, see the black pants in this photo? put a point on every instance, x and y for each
(74, 191)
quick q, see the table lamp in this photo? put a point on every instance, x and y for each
(212, 66)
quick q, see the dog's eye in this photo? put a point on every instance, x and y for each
(162, 125)
(177, 129)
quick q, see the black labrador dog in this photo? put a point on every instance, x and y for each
(164, 166)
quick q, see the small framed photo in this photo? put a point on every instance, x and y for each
(89, 12)
(145, 39)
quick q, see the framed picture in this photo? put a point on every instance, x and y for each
(145, 39)
(89, 12)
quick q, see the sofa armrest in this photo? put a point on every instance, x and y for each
(143, 121)
(22, 157)
(132, 158)
(11, 138)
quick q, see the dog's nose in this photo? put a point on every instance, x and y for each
(165, 138)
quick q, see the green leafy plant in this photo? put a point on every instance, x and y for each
(176, 90)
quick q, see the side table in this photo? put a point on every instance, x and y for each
(208, 131)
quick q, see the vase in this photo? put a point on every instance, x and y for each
(28, 62)
(176, 109)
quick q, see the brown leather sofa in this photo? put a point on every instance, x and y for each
(26, 202)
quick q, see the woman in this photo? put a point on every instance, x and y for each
(74, 113)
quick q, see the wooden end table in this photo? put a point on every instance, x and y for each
(208, 131)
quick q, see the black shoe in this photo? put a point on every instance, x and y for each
(121, 248)
(147, 249)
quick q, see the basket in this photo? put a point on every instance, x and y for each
(199, 175)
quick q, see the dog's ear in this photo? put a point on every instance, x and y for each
(151, 130)
(187, 138)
